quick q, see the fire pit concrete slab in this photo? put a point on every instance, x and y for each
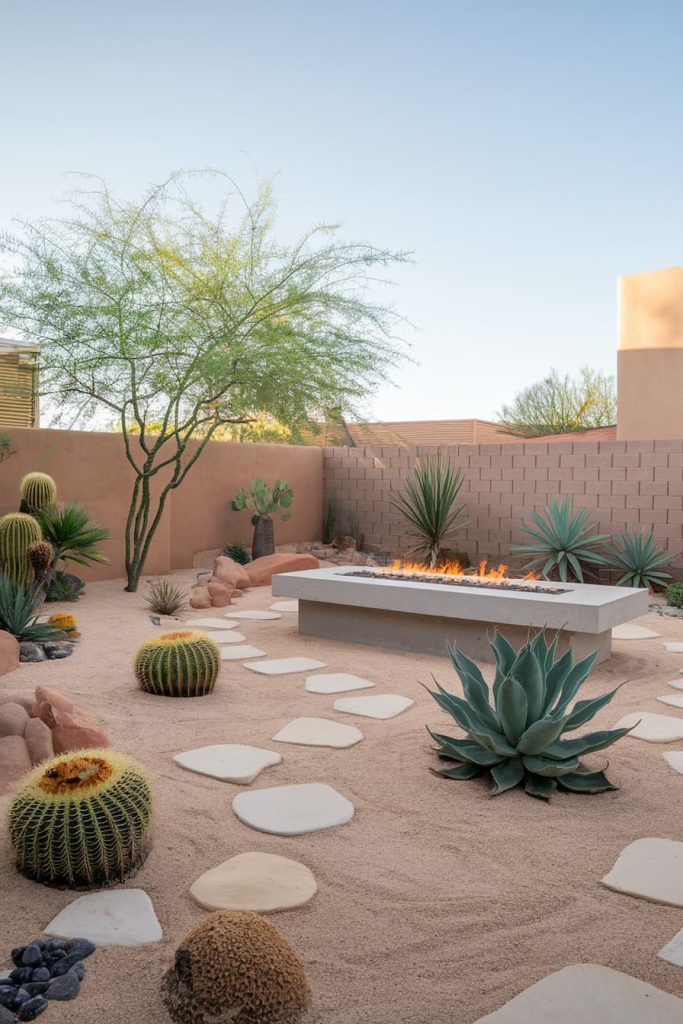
(631, 631)
(418, 614)
(675, 646)
(285, 666)
(651, 727)
(253, 613)
(116, 917)
(319, 732)
(675, 759)
(589, 994)
(650, 868)
(293, 810)
(262, 883)
(673, 951)
(228, 762)
(381, 705)
(674, 700)
(285, 606)
(241, 651)
(336, 682)
(211, 624)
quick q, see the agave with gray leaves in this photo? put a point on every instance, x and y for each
(519, 737)
(562, 542)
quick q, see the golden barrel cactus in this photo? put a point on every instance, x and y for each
(18, 531)
(184, 663)
(64, 621)
(81, 819)
(38, 492)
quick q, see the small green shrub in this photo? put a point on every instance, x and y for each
(674, 595)
(165, 597)
(63, 586)
(238, 553)
(640, 558)
(428, 503)
(72, 534)
(561, 542)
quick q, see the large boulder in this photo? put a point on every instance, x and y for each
(231, 573)
(200, 598)
(261, 570)
(38, 739)
(219, 594)
(9, 652)
(13, 720)
(72, 728)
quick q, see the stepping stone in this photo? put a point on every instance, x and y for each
(259, 882)
(675, 759)
(673, 951)
(211, 624)
(254, 614)
(338, 682)
(630, 632)
(674, 646)
(283, 666)
(381, 705)
(651, 869)
(319, 732)
(653, 728)
(674, 700)
(116, 917)
(285, 606)
(229, 762)
(241, 651)
(293, 810)
(676, 683)
(589, 994)
(226, 636)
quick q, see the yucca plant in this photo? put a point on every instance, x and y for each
(72, 534)
(641, 558)
(562, 542)
(166, 598)
(518, 738)
(428, 503)
(17, 604)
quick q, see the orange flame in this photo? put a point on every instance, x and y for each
(483, 571)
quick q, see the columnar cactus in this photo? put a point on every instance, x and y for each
(38, 491)
(81, 819)
(180, 664)
(17, 532)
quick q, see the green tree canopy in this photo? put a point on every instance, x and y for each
(562, 404)
(179, 322)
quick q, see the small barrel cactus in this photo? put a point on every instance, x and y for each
(81, 819)
(180, 664)
(38, 491)
(18, 531)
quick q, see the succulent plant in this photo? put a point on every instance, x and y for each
(261, 501)
(38, 492)
(674, 595)
(64, 621)
(238, 553)
(17, 532)
(562, 541)
(165, 597)
(81, 819)
(428, 503)
(17, 614)
(641, 558)
(180, 664)
(73, 534)
(519, 738)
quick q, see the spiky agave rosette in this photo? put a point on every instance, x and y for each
(517, 737)
(82, 819)
(184, 663)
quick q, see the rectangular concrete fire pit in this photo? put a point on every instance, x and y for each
(418, 614)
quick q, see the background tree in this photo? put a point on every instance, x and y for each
(165, 314)
(559, 405)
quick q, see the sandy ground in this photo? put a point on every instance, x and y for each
(435, 903)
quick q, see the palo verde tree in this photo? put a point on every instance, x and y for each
(560, 405)
(177, 322)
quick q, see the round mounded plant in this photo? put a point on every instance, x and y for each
(184, 663)
(38, 492)
(18, 531)
(518, 738)
(82, 819)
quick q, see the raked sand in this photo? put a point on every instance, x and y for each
(435, 903)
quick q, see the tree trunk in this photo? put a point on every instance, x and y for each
(263, 542)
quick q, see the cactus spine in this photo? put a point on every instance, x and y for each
(81, 819)
(38, 492)
(17, 532)
(180, 664)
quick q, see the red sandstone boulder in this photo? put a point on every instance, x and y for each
(13, 720)
(219, 594)
(231, 573)
(15, 760)
(261, 570)
(200, 598)
(48, 695)
(9, 652)
(72, 729)
(38, 739)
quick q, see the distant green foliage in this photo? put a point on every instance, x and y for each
(641, 558)
(238, 553)
(562, 543)
(428, 503)
(561, 405)
(6, 449)
(674, 595)
(259, 499)
(518, 737)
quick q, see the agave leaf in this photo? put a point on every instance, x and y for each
(530, 675)
(555, 679)
(493, 741)
(547, 768)
(584, 710)
(474, 687)
(507, 775)
(464, 750)
(573, 681)
(586, 744)
(536, 785)
(459, 771)
(540, 734)
(458, 709)
(586, 782)
(505, 658)
(576, 566)
(512, 707)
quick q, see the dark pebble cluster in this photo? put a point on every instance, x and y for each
(43, 970)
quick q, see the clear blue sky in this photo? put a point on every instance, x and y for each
(528, 151)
